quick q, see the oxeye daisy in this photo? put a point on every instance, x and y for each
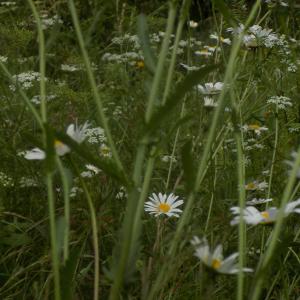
(210, 88)
(256, 186)
(163, 204)
(214, 259)
(75, 132)
(253, 216)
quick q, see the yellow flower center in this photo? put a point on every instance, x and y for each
(216, 264)
(105, 150)
(254, 127)
(265, 214)
(250, 186)
(164, 207)
(140, 64)
(58, 143)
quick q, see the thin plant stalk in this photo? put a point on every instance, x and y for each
(161, 278)
(277, 229)
(93, 217)
(93, 85)
(271, 171)
(49, 181)
(66, 193)
(161, 62)
(132, 217)
(211, 200)
(184, 9)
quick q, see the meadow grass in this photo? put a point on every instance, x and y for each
(138, 148)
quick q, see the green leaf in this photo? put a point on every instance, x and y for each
(188, 165)
(143, 34)
(225, 11)
(68, 273)
(16, 240)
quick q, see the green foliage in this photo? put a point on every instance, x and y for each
(73, 225)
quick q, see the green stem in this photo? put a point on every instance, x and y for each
(93, 216)
(161, 63)
(54, 250)
(276, 232)
(271, 172)
(93, 85)
(51, 201)
(162, 276)
(66, 193)
(184, 8)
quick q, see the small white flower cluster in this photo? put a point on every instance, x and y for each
(5, 180)
(257, 36)
(37, 99)
(70, 67)
(252, 144)
(122, 193)
(48, 22)
(281, 3)
(130, 57)
(91, 171)
(168, 158)
(127, 39)
(95, 135)
(256, 201)
(189, 68)
(8, 3)
(3, 59)
(26, 80)
(74, 191)
(294, 129)
(281, 101)
(26, 182)
(252, 251)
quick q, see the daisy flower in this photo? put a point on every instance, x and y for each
(256, 186)
(220, 38)
(210, 88)
(163, 204)
(193, 24)
(254, 127)
(214, 259)
(75, 132)
(253, 216)
(209, 102)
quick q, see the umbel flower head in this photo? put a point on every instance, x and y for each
(163, 204)
(214, 259)
(77, 133)
(253, 216)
